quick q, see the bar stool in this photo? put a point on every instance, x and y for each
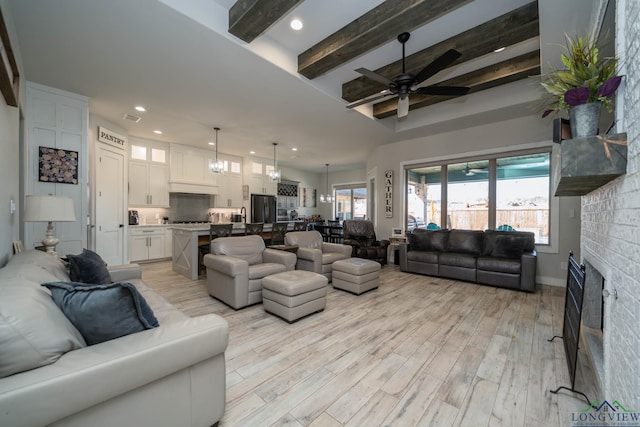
(215, 231)
(254, 228)
(278, 231)
(299, 226)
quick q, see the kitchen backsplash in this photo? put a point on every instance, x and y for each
(184, 207)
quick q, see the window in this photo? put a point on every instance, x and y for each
(509, 192)
(522, 194)
(351, 202)
(468, 195)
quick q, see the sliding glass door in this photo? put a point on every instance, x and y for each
(351, 202)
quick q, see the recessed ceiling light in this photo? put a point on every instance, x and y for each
(252, 152)
(294, 149)
(211, 143)
(500, 49)
(159, 132)
(296, 24)
(140, 108)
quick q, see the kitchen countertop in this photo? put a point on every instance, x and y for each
(205, 227)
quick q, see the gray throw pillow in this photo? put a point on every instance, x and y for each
(103, 312)
(88, 267)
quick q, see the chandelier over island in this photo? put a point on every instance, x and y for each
(274, 175)
(216, 165)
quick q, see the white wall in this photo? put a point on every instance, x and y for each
(611, 228)
(509, 135)
(10, 159)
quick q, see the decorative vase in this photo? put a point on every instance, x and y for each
(584, 119)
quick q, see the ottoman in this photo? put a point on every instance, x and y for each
(356, 275)
(294, 294)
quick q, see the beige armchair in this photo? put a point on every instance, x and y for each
(237, 265)
(314, 254)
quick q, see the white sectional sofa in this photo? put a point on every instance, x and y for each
(171, 375)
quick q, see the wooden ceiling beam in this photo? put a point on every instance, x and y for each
(376, 27)
(498, 74)
(514, 27)
(250, 18)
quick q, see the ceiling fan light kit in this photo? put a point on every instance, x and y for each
(405, 83)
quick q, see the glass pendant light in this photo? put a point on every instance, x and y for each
(216, 166)
(275, 174)
(327, 198)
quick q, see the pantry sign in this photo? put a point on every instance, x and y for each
(109, 137)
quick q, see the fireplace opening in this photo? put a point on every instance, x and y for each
(592, 330)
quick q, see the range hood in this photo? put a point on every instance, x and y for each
(191, 188)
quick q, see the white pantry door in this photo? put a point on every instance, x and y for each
(110, 210)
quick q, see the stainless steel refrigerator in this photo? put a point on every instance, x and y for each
(263, 208)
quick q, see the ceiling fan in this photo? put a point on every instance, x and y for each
(470, 171)
(406, 83)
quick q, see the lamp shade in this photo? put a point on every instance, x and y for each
(49, 208)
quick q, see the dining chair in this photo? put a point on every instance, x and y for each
(335, 231)
(505, 227)
(323, 228)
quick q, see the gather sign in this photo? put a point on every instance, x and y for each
(388, 194)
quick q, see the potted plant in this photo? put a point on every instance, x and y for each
(583, 87)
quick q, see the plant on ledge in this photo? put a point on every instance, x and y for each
(585, 79)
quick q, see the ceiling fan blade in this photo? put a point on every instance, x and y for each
(403, 106)
(374, 76)
(440, 63)
(385, 93)
(443, 90)
(478, 170)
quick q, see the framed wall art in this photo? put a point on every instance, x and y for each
(58, 165)
(308, 197)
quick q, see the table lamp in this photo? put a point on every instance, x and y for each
(49, 209)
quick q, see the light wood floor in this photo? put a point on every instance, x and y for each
(417, 351)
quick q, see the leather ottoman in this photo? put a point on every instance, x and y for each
(294, 294)
(356, 275)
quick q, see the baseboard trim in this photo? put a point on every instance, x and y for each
(551, 281)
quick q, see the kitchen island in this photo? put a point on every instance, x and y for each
(187, 237)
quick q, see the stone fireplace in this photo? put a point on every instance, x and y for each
(610, 232)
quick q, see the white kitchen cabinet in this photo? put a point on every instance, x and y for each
(259, 180)
(148, 173)
(292, 202)
(190, 165)
(148, 185)
(147, 243)
(230, 183)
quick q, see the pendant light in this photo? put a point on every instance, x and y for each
(275, 174)
(327, 198)
(216, 166)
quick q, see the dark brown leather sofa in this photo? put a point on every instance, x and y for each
(361, 236)
(498, 258)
